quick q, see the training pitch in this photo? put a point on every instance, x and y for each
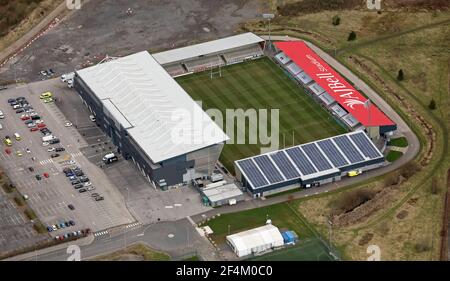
(261, 84)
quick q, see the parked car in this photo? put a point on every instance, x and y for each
(24, 118)
(41, 125)
(91, 188)
(62, 224)
(35, 117)
(45, 143)
(71, 222)
(71, 207)
(11, 100)
(51, 149)
(45, 95)
(85, 179)
(46, 175)
(75, 182)
(54, 141)
(99, 198)
(87, 183)
(95, 194)
(28, 121)
(39, 121)
(54, 155)
(31, 169)
(20, 110)
(49, 229)
(78, 186)
(82, 190)
(34, 129)
(59, 149)
(54, 227)
(38, 177)
(31, 125)
(67, 124)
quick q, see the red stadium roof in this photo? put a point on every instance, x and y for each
(334, 84)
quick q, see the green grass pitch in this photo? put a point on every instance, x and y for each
(261, 84)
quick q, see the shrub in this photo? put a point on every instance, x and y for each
(39, 227)
(352, 36)
(336, 20)
(30, 214)
(349, 201)
(432, 104)
(400, 75)
(409, 170)
(19, 201)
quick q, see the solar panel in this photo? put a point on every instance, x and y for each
(332, 153)
(301, 161)
(349, 150)
(285, 165)
(252, 173)
(268, 168)
(316, 157)
(365, 145)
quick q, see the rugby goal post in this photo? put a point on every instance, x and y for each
(215, 70)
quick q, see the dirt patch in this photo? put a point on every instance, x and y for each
(314, 6)
(365, 239)
(413, 201)
(403, 214)
(420, 4)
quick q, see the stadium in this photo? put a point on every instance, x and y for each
(326, 127)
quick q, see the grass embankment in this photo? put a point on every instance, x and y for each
(407, 225)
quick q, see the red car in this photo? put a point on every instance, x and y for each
(46, 175)
(34, 129)
(42, 125)
(25, 118)
(8, 151)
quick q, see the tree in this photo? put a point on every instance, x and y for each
(400, 75)
(336, 20)
(351, 36)
(432, 104)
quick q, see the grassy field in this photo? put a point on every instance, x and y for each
(393, 155)
(308, 250)
(281, 215)
(407, 225)
(399, 142)
(261, 84)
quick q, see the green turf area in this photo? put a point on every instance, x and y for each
(307, 250)
(281, 215)
(399, 142)
(393, 155)
(261, 84)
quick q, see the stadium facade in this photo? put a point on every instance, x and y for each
(308, 165)
(139, 105)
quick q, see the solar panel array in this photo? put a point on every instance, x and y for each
(308, 159)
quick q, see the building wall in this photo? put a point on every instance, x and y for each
(173, 171)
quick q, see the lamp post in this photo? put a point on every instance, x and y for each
(268, 17)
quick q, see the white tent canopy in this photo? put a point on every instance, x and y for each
(255, 240)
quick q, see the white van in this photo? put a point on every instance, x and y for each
(48, 138)
(17, 106)
(1, 115)
(67, 76)
(109, 158)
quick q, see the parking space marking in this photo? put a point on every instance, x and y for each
(45, 162)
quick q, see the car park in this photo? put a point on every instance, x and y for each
(74, 182)
(54, 141)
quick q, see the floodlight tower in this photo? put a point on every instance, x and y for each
(268, 17)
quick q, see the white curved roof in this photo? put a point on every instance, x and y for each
(256, 238)
(156, 112)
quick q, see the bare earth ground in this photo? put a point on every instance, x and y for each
(104, 27)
